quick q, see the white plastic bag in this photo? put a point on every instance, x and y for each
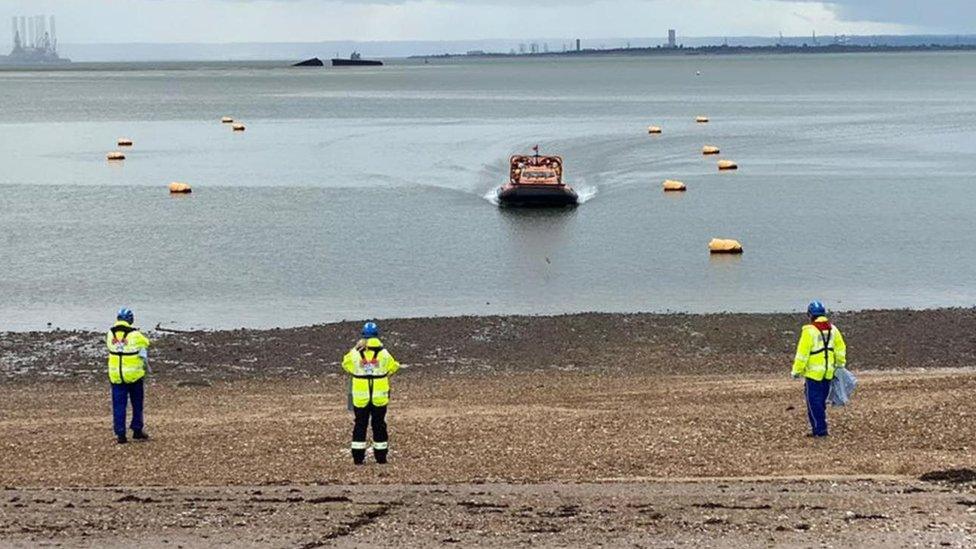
(841, 387)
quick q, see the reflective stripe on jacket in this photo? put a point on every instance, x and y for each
(370, 369)
(821, 349)
(126, 353)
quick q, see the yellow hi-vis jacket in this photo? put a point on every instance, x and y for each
(126, 353)
(370, 369)
(821, 349)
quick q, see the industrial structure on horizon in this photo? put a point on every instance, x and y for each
(35, 42)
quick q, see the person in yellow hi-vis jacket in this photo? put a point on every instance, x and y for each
(127, 357)
(819, 353)
(370, 366)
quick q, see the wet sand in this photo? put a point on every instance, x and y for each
(653, 430)
(730, 513)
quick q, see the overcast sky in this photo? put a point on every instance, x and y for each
(95, 21)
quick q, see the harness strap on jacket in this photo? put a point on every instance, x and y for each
(370, 378)
(121, 333)
(376, 352)
(827, 349)
(126, 330)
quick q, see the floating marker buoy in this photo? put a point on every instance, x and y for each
(124, 142)
(727, 165)
(710, 149)
(653, 129)
(115, 155)
(701, 119)
(724, 246)
(670, 185)
(226, 120)
(238, 127)
(179, 188)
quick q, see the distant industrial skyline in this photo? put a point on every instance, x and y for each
(229, 21)
(34, 32)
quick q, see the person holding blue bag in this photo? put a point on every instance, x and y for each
(820, 352)
(127, 359)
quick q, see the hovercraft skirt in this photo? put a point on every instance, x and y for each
(538, 197)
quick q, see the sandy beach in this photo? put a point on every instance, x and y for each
(654, 430)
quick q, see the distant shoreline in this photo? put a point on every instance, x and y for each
(710, 50)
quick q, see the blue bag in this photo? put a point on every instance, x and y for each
(841, 387)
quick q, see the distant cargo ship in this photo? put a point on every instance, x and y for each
(34, 43)
(355, 60)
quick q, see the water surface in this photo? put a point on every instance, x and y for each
(364, 193)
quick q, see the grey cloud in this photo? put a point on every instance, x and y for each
(956, 15)
(912, 12)
(936, 15)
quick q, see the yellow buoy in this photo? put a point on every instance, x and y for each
(653, 129)
(238, 127)
(115, 155)
(727, 165)
(179, 188)
(124, 142)
(710, 149)
(724, 246)
(701, 119)
(226, 120)
(670, 185)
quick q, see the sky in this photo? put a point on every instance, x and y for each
(219, 21)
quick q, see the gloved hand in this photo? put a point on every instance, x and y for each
(795, 376)
(361, 345)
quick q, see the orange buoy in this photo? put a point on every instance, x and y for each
(653, 129)
(670, 185)
(710, 149)
(701, 119)
(724, 246)
(238, 127)
(124, 142)
(226, 120)
(115, 155)
(727, 165)
(179, 188)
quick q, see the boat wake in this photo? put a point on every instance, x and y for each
(585, 193)
(492, 196)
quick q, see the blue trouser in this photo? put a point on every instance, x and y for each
(816, 392)
(121, 394)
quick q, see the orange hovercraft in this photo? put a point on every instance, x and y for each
(536, 181)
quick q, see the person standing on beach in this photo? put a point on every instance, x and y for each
(127, 357)
(820, 351)
(370, 366)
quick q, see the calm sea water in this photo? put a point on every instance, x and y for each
(366, 192)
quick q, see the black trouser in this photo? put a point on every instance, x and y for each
(364, 416)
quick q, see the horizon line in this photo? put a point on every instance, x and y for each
(408, 40)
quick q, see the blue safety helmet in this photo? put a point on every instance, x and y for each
(370, 329)
(125, 315)
(816, 309)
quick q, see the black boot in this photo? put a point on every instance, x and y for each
(139, 435)
(121, 439)
(380, 456)
(358, 456)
